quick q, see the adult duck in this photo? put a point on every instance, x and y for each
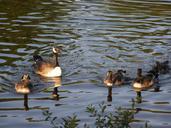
(24, 85)
(46, 68)
(143, 82)
(116, 78)
(111, 79)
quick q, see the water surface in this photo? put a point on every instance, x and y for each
(96, 36)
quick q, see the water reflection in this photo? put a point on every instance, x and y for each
(57, 82)
(26, 107)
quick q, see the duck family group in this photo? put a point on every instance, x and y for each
(141, 82)
(42, 67)
(49, 69)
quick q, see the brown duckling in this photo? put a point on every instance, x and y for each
(24, 85)
(46, 68)
(162, 67)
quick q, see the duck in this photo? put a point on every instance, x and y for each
(143, 82)
(46, 68)
(162, 67)
(111, 79)
(24, 85)
(118, 77)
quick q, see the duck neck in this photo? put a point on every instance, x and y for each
(57, 63)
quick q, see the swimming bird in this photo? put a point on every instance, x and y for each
(46, 68)
(111, 79)
(143, 82)
(24, 85)
(162, 67)
(118, 77)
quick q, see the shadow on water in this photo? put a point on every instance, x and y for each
(96, 36)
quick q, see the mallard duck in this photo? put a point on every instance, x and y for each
(24, 85)
(45, 68)
(143, 82)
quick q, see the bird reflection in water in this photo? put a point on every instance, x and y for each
(57, 84)
(26, 107)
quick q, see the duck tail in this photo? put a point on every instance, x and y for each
(37, 58)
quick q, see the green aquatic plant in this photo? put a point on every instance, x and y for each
(67, 122)
(120, 118)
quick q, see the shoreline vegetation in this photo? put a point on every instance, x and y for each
(120, 118)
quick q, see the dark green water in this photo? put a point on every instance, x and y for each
(95, 36)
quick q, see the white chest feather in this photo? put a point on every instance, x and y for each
(54, 72)
(137, 85)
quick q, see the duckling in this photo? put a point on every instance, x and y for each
(45, 68)
(143, 82)
(162, 67)
(118, 77)
(24, 85)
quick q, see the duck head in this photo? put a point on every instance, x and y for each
(25, 77)
(108, 81)
(56, 50)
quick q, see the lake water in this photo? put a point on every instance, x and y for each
(96, 36)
